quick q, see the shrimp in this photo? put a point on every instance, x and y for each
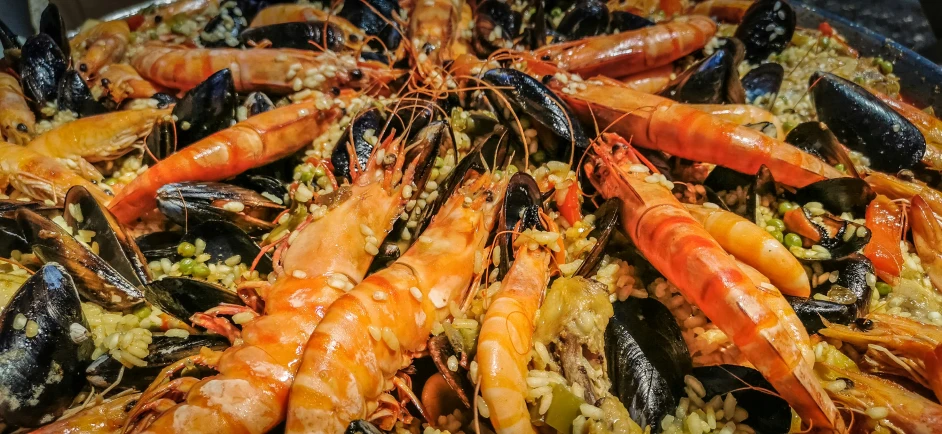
(627, 53)
(255, 142)
(651, 81)
(104, 44)
(96, 138)
(658, 123)
(291, 13)
(885, 222)
(120, 81)
(372, 332)
(927, 238)
(896, 346)
(896, 188)
(754, 246)
(649, 7)
(107, 417)
(152, 17)
(745, 114)
(17, 121)
(323, 260)
(433, 29)
(685, 253)
(40, 177)
(729, 11)
(278, 70)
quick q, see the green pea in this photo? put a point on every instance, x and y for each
(785, 207)
(840, 167)
(186, 249)
(792, 240)
(778, 236)
(884, 288)
(307, 175)
(143, 312)
(886, 67)
(859, 80)
(788, 126)
(200, 270)
(319, 172)
(111, 181)
(825, 41)
(778, 224)
(186, 265)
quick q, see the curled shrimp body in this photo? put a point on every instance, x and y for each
(120, 81)
(631, 52)
(370, 333)
(17, 121)
(658, 123)
(754, 246)
(254, 142)
(96, 138)
(103, 44)
(39, 176)
(678, 246)
(323, 261)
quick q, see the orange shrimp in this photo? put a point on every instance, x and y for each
(928, 125)
(17, 121)
(257, 141)
(96, 138)
(658, 123)
(372, 332)
(278, 70)
(754, 246)
(289, 13)
(651, 81)
(885, 221)
(678, 247)
(152, 17)
(120, 81)
(728, 11)
(927, 238)
(433, 29)
(107, 417)
(649, 7)
(38, 176)
(323, 260)
(627, 53)
(896, 188)
(100, 45)
(744, 114)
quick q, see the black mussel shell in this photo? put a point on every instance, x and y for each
(197, 202)
(865, 124)
(206, 109)
(96, 280)
(163, 351)
(624, 21)
(811, 312)
(527, 96)
(829, 231)
(713, 80)
(838, 195)
(764, 185)
(164, 100)
(115, 246)
(40, 375)
(489, 16)
(606, 221)
(410, 117)
(11, 238)
(223, 30)
(312, 35)
(182, 296)
(52, 24)
(768, 412)
(851, 275)
(375, 18)
(250, 8)
(268, 186)
(8, 39)
(354, 144)
(587, 18)
(75, 96)
(257, 103)
(225, 240)
(361, 426)
(162, 140)
(766, 28)
(440, 350)
(763, 80)
(647, 358)
(158, 245)
(42, 65)
(520, 211)
(754, 186)
(816, 139)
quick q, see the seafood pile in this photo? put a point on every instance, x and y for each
(435, 216)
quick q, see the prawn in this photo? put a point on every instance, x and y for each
(107, 417)
(255, 142)
(896, 188)
(678, 129)
(17, 121)
(120, 81)
(754, 246)
(627, 53)
(39, 176)
(685, 253)
(154, 16)
(323, 260)
(433, 29)
(885, 222)
(728, 11)
(651, 81)
(927, 238)
(373, 331)
(101, 45)
(746, 115)
(96, 138)
(292, 13)
(278, 70)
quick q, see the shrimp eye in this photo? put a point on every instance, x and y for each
(158, 19)
(335, 91)
(22, 128)
(83, 67)
(848, 382)
(105, 82)
(906, 175)
(864, 324)
(546, 79)
(546, 57)
(356, 74)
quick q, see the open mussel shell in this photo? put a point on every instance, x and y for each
(223, 30)
(52, 24)
(96, 279)
(812, 313)
(527, 96)
(206, 109)
(865, 124)
(817, 139)
(74, 95)
(375, 18)
(266, 185)
(361, 426)
(752, 188)
(494, 17)
(851, 285)
(162, 351)
(410, 117)
(768, 412)
(840, 237)
(42, 65)
(647, 359)
(84, 213)
(714, 80)
(763, 80)
(158, 245)
(8, 39)
(766, 28)
(623, 21)
(257, 103)
(440, 349)
(586, 18)
(11, 237)
(311, 35)
(838, 195)
(225, 240)
(196, 202)
(45, 343)
(606, 221)
(183, 297)
(352, 151)
(520, 211)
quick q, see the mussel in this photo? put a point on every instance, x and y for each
(196, 202)
(816, 139)
(606, 221)
(183, 297)
(623, 21)
(495, 23)
(311, 35)
(42, 65)
(9, 40)
(813, 313)
(256, 103)
(353, 149)
(850, 287)
(52, 24)
(223, 30)
(713, 80)
(766, 28)
(768, 412)
(162, 351)
(205, 109)
(520, 211)
(375, 18)
(73, 95)
(840, 237)
(586, 18)
(839, 195)
(763, 80)
(44, 344)
(360, 426)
